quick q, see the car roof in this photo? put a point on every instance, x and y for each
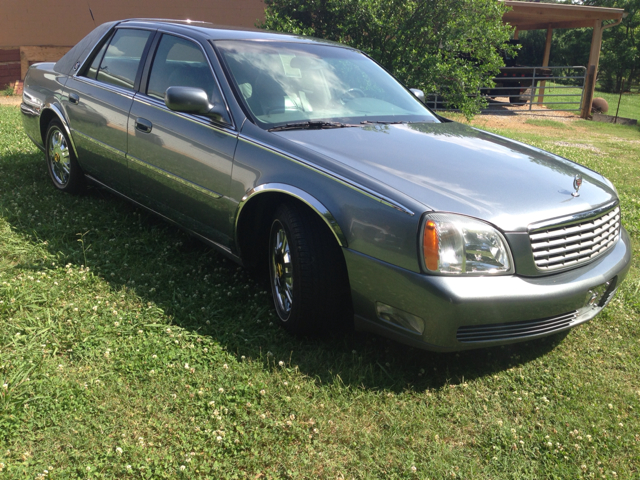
(210, 31)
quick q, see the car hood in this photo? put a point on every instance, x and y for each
(456, 168)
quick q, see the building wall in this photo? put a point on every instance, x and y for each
(45, 30)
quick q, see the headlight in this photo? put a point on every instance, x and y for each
(453, 244)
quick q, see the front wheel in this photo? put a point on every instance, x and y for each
(62, 164)
(307, 273)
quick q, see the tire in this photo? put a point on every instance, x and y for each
(62, 163)
(307, 273)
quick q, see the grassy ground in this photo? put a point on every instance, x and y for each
(129, 350)
(629, 102)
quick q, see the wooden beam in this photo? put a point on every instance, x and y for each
(545, 63)
(543, 13)
(592, 66)
(555, 25)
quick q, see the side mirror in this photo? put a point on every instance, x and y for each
(418, 93)
(193, 100)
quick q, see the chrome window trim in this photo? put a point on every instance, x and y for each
(107, 86)
(109, 32)
(211, 69)
(94, 50)
(155, 103)
(571, 219)
(174, 177)
(301, 195)
(327, 173)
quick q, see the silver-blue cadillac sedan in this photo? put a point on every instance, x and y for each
(306, 161)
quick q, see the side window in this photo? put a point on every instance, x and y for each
(181, 63)
(92, 71)
(121, 60)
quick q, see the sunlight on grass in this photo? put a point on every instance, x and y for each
(141, 353)
(629, 103)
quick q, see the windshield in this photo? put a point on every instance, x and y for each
(281, 83)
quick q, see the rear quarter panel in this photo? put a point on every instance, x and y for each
(43, 90)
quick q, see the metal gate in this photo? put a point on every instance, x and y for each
(530, 89)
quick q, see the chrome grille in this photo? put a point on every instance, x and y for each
(509, 331)
(577, 243)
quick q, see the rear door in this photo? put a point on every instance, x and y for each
(180, 164)
(98, 102)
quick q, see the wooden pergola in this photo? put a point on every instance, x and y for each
(549, 16)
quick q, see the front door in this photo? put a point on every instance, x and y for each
(180, 164)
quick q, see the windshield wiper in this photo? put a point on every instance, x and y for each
(311, 125)
(381, 122)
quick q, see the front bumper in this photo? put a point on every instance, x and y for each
(534, 306)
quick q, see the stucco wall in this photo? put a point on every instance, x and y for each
(43, 31)
(65, 22)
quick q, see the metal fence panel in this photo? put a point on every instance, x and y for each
(528, 86)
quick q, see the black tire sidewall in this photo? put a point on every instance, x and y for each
(321, 302)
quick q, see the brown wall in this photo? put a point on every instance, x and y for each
(65, 22)
(9, 66)
(45, 30)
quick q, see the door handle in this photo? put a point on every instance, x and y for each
(143, 125)
(74, 98)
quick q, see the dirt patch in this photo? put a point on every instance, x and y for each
(12, 100)
(520, 121)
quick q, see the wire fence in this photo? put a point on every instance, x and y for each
(531, 89)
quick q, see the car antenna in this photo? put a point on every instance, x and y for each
(94, 20)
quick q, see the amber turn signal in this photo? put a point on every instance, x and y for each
(430, 246)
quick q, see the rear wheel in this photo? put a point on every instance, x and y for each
(62, 164)
(307, 273)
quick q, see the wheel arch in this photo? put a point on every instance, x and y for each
(53, 112)
(257, 207)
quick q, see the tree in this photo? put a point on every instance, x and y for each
(620, 57)
(620, 54)
(451, 47)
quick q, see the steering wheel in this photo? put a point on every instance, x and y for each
(281, 109)
(352, 93)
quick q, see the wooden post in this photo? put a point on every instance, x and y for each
(594, 59)
(516, 32)
(545, 63)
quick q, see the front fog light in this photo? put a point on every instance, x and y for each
(400, 318)
(453, 244)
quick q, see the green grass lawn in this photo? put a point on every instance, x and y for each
(130, 350)
(563, 95)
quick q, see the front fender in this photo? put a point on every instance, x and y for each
(299, 194)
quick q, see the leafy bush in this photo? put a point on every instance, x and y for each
(450, 47)
(7, 91)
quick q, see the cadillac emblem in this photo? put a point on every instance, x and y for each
(577, 183)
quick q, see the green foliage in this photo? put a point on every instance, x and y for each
(7, 91)
(445, 46)
(620, 46)
(619, 58)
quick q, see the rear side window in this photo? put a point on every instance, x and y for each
(181, 63)
(121, 60)
(92, 71)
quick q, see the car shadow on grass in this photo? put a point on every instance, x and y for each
(202, 291)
